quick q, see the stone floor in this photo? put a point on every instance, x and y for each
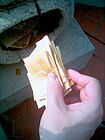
(21, 122)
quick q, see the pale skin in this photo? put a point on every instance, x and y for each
(71, 121)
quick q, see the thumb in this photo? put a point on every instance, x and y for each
(54, 91)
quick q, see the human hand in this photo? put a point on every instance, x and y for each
(74, 121)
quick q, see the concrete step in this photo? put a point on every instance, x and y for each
(76, 50)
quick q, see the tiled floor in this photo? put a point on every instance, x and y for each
(21, 123)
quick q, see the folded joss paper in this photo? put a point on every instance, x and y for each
(46, 58)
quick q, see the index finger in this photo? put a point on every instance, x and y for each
(79, 79)
(91, 85)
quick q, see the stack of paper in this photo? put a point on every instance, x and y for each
(44, 59)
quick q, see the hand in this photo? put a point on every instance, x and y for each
(74, 121)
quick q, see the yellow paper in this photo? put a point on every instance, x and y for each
(44, 59)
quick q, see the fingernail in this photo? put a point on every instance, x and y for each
(51, 77)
